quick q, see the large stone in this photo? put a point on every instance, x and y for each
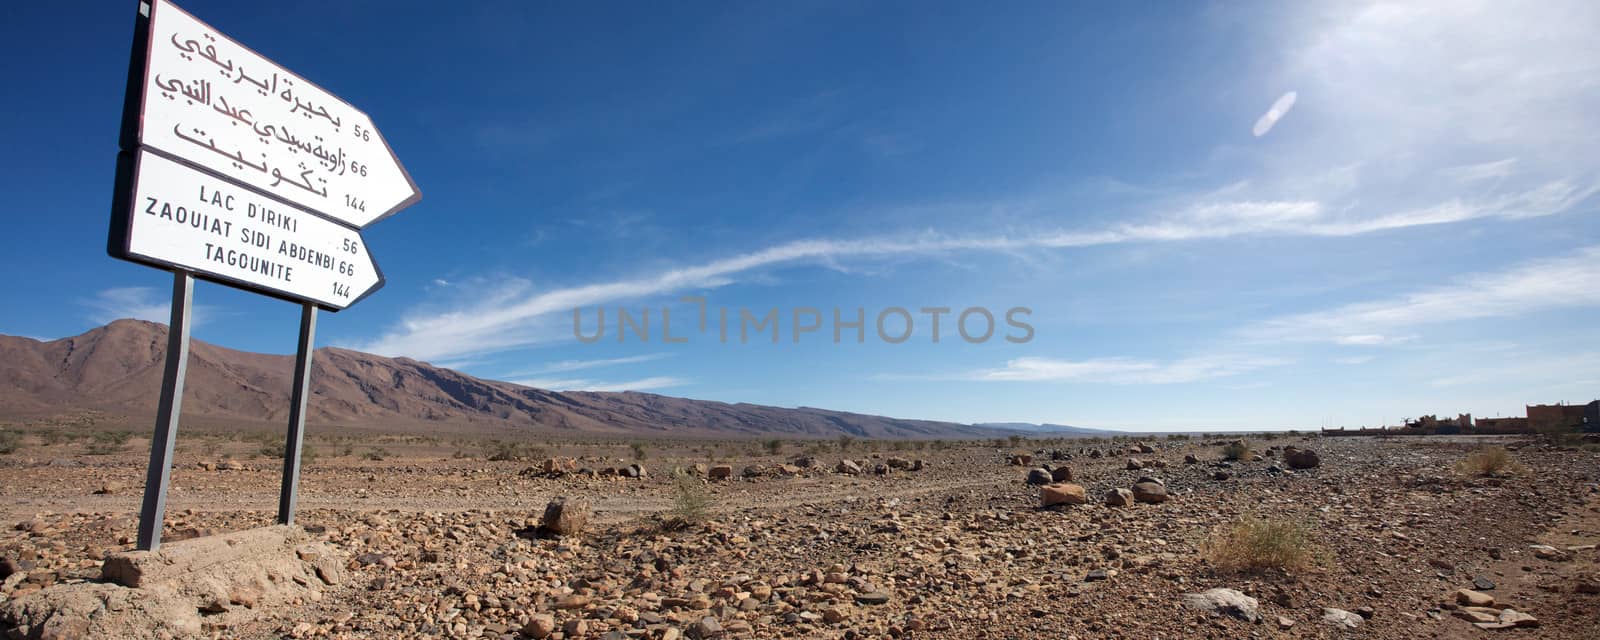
(1223, 602)
(1474, 598)
(1149, 492)
(567, 516)
(1039, 476)
(1341, 618)
(899, 463)
(720, 472)
(1064, 493)
(1119, 497)
(540, 627)
(848, 467)
(1134, 464)
(1301, 458)
(1061, 474)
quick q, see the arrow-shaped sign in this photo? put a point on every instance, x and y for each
(212, 101)
(176, 216)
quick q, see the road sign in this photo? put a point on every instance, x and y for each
(205, 98)
(176, 216)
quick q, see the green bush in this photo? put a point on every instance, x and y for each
(773, 446)
(10, 441)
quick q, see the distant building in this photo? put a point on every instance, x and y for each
(1500, 426)
(1558, 417)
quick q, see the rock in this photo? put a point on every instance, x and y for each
(874, 597)
(1482, 583)
(1285, 623)
(1547, 552)
(1039, 476)
(1587, 583)
(1301, 458)
(1220, 476)
(788, 470)
(1063, 493)
(1341, 618)
(1223, 602)
(720, 472)
(567, 516)
(1061, 474)
(1149, 492)
(1191, 459)
(1097, 575)
(918, 465)
(1477, 614)
(1144, 448)
(1134, 464)
(575, 627)
(1474, 598)
(1509, 619)
(1119, 497)
(899, 463)
(848, 467)
(706, 627)
(834, 615)
(638, 470)
(754, 471)
(805, 462)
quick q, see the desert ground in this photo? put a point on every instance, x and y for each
(441, 537)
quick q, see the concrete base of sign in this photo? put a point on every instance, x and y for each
(187, 589)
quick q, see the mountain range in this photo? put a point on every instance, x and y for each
(116, 369)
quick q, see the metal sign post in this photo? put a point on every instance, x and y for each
(153, 512)
(236, 170)
(297, 415)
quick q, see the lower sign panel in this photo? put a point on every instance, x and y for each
(173, 216)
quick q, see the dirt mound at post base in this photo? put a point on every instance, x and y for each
(183, 590)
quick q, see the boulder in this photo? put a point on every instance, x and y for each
(720, 472)
(1039, 476)
(1021, 459)
(1149, 492)
(1227, 602)
(1472, 598)
(1064, 493)
(1301, 458)
(1134, 464)
(1119, 497)
(899, 463)
(847, 466)
(1061, 474)
(1341, 618)
(567, 516)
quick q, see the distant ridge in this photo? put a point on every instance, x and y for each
(1050, 429)
(116, 369)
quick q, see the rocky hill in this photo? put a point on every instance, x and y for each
(117, 369)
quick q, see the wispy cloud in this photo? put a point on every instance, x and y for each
(1125, 370)
(505, 312)
(139, 303)
(579, 365)
(1279, 109)
(1540, 285)
(581, 384)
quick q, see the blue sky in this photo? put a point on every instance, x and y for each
(1241, 215)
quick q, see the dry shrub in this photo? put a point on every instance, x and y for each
(691, 502)
(1239, 450)
(1256, 544)
(1488, 461)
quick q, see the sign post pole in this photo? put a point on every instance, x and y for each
(297, 414)
(153, 513)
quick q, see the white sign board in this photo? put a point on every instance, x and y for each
(214, 102)
(181, 217)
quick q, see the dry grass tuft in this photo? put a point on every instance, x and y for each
(691, 501)
(1238, 450)
(1255, 544)
(1488, 461)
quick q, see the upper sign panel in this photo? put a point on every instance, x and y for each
(215, 102)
